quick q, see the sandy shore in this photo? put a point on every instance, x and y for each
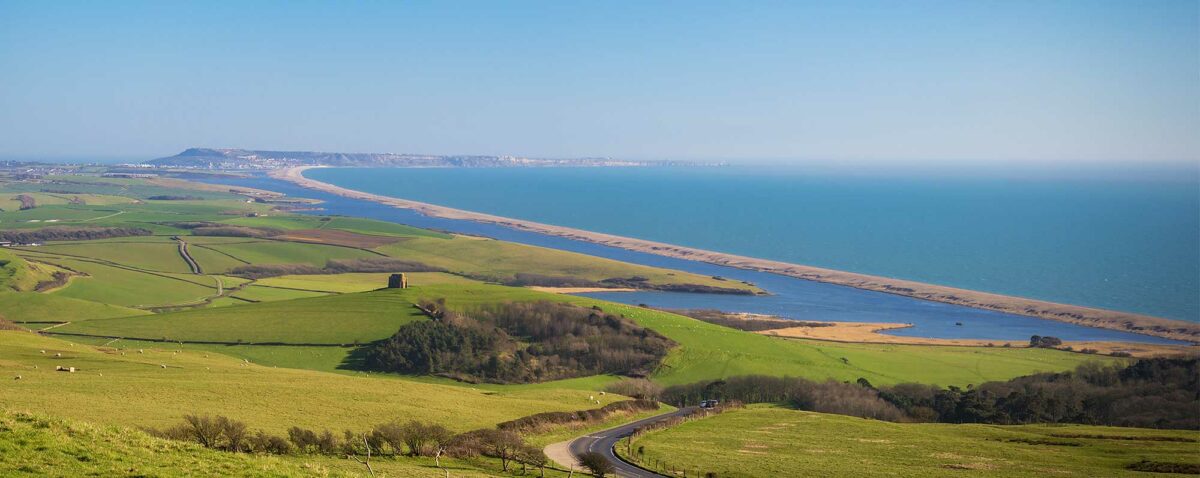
(1108, 319)
(578, 290)
(871, 332)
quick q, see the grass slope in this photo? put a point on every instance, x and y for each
(763, 441)
(705, 351)
(501, 261)
(339, 319)
(56, 308)
(135, 390)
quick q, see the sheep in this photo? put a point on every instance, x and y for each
(18, 377)
(43, 352)
(162, 365)
(58, 354)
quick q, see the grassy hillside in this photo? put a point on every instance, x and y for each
(763, 441)
(338, 319)
(38, 445)
(132, 388)
(705, 351)
(501, 261)
(56, 308)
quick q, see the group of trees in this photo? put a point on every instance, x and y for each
(520, 343)
(68, 233)
(541, 420)
(826, 397)
(1152, 393)
(412, 438)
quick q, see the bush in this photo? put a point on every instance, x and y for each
(308, 441)
(596, 463)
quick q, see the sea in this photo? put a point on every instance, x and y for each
(1122, 242)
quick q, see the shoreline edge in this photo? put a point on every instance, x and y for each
(1074, 314)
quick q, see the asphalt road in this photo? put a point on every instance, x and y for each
(603, 442)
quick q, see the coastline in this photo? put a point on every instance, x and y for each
(1079, 315)
(872, 333)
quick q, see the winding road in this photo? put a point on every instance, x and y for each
(603, 442)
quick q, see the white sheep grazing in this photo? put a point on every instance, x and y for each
(601, 394)
(43, 351)
(162, 365)
(591, 398)
(139, 351)
(59, 354)
(18, 377)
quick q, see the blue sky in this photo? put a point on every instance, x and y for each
(954, 81)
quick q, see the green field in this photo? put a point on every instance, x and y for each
(279, 252)
(129, 287)
(705, 351)
(501, 261)
(358, 282)
(159, 256)
(763, 441)
(338, 319)
(56, 308)
(125, 387)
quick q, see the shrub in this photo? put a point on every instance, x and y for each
(596, 463)
(262, 442)
(308, 441)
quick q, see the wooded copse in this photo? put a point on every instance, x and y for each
(1150, 393)
(68, 233)
(519, 343)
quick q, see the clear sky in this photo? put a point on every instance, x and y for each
(958, 81)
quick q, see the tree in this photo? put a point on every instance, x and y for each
(596, 463)
(532, 455)
(501, 444)
(204, 429)
(420, 437)
(235, 433)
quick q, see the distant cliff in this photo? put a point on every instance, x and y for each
(208, 158)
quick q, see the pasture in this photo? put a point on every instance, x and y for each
(770, 441)
(131, 387)
(334, 320)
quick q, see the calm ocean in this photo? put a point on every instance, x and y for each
(1123, 244)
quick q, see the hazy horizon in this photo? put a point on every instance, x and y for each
(1021, 82)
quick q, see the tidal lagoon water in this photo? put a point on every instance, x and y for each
(790, 297)
(1107, 242)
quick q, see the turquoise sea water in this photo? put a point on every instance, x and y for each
(1108, 242)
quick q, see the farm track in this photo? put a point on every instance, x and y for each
(183, 252)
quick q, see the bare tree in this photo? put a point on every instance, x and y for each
(204, 429)
(366, 462)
